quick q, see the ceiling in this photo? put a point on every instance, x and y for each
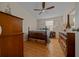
(59, 10)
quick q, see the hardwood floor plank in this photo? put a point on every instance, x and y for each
(39, 49)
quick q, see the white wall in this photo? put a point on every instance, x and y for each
(77, 26)
(40, 23)
(58, 24)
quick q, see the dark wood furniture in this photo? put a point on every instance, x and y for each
(11, 39)
(38, 35)
(71, 45)
(67, 43)
(52, 34)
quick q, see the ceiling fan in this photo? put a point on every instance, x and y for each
(43, 8)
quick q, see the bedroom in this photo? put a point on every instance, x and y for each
(38, 26)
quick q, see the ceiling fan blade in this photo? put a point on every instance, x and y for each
(37, 9)
(43, 5)
(40, 12)
(50, 7)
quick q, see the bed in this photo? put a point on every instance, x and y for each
(42, 34)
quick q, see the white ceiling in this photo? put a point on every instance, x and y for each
(59, 10)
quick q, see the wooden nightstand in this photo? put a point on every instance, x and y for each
(52, 34)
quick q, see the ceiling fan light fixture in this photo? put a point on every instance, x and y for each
(43, 10)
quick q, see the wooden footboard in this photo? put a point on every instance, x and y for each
(42, 35)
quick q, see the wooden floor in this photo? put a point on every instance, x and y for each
(35, 48)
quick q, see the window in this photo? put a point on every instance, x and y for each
(49, 25)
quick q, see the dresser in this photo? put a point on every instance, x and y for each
(11, 38)
(67, 43)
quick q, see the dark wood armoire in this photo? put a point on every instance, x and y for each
(11, 39)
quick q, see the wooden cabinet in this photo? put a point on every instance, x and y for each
(71, 45)
(11, 39)
(67, 43)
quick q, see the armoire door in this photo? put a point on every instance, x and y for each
(11, 39)
(12, 46)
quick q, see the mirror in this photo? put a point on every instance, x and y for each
(68, 26)
(0, 30)
(69, 23)
(72, 18)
